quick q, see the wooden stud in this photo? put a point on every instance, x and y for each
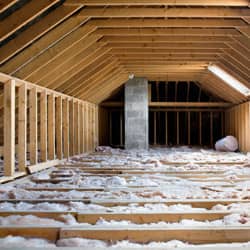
(33, 126)
(65, 128)
(71, 128)
(51, 127)
(43, 126)
(9, 128)
(22, 127)
(76, 129)
(81, 146)
(59, 145)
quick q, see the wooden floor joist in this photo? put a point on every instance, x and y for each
(193, 235)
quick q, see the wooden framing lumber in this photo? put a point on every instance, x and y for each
(22, 127)
(199, 235)
(9, 128)
(51, 126)
(25, 14)
(33, 126)
(43, 126)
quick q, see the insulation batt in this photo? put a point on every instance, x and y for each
(227, 144)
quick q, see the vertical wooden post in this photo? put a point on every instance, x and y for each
(59, 150)
(76, 128)
(43, 125)
(33, 126)
(65, 128)
(71, 128)
(81, 127)
(87, 126)
(9, 128)
(97, 127)
(90, 128)
(22, 127)
(51, 127)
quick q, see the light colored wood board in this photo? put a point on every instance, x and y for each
(65, 128)
(41, 166)
(43, 126)
(22, 127)
(143, 218)
(59, 117)
(50, 233)
(192, 235)
(51, 127)
(9, 128)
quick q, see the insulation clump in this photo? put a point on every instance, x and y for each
(227, 144)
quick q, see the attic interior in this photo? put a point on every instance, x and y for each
(125, 124)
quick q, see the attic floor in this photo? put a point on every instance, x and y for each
(164, 198)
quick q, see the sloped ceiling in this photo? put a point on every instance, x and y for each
(87, 48)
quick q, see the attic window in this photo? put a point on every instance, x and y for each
(229, 79)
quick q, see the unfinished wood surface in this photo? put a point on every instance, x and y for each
(33, 126)
(51, 127)
(22, 127)
(43, 126)
(9, 128)
(140, 235)
(65, 128)
(59, 145)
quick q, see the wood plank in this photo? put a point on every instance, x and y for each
(158, 2)
(150, 217)
(180, 12)
(36, 31)
(45, 232)
(196, 23)
(9, 128)
(71, 128)
(5, 4)
(22, 127)
(41, 166)
(33, 126)
(25, 14)
(51, 126)
(65, 128)
(43, 126)
(59, 145)
(195, 235)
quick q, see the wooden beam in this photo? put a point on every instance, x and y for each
(59, 145)
(189, 104)
(25, 14)
(71, 128)
(65, 128)
(51, 127)
(168, 32)
(9, 128)
(5, 4)
(159, 2)
(143, 218)
(33, 126)
(31, 52)
(144, 235)
(36, 31)
(149, 23)
(22, 127)
(43, 126)
(179, 12)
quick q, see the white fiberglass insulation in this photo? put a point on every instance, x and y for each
(151, 187)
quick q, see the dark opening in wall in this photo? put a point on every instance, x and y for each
(170, 125)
